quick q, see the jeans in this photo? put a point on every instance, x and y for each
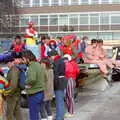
(60, 105)
(34, 104)
(46, 109)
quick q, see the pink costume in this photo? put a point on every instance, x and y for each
(91, 57)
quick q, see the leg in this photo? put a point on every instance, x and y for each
(34, 102)
(11, 104)
(60, 106)
(17, 111)
(1, 107)
(70, 95)
(48, 108)
(43, 111)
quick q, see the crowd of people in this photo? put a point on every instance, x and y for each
(54, 73)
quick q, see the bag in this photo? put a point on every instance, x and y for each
(23, 101)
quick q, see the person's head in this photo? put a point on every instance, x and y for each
(28, 56)
(43, 39)
(46, 61)
(10, 63)
(18, 39)
(47, 39)
(100, 43)
(53, 54)
(67, 57)
(94, 42)
(85, 38)
(18, 59)
(30, 24)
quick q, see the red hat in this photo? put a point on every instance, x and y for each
(30, 23)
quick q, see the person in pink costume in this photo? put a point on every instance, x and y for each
(91, 57)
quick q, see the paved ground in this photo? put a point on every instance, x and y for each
(96, 105)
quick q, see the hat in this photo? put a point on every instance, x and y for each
(52, 53)
(68, 57)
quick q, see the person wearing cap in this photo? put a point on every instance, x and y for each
(13, 99)
(60, 83)
(71, 72)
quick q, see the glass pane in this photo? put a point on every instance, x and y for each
(115, 19)
(73, 20)
(104, 19)
(34, 19)
(116, 36)
(74, 2)
(36, 3)
(64, 2)
(55, 2)
(94, 19)
(44, 20)
(84, 2)
(24, 20)
(63, 20)
(53, 20)
(25, 3)
(94, 1)
(104, 1)
(45, 2)
(83, 19)
(105, 36)
(115, 1)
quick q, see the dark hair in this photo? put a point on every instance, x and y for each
(18, 37)
(93, 41)
(46, 61)
(29, 55)
(47, 37)
(100, 41)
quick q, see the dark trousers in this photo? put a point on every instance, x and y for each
(46, 109)
(34, 104)
(60, 105)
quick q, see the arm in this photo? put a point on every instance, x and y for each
(31, 76)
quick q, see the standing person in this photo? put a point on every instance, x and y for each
(49, 91)
(35, 84)
(60, 84)
(84, 43)
(13, 99)
(4, 90)
(72, 70)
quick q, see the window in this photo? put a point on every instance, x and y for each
(34, 19)
(45, 2)
(74, 2)
(24, 20)
(94, 19)
(55, 2)
(36, 3)
(84, 2)
(104, 19)
(94, 1)
(116, 36)
(73, 19)
(83, 19)
(115, 1)
(104, 1)
(115, 19)
(43, 20)
(64, 2)
(25, 3)
(63, 20)
(53, 20)
(105, 36)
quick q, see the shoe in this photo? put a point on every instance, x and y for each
(68, 115)
(50, 118)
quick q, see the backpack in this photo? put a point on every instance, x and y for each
(22, 68)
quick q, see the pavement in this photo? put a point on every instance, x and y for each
(95, 105)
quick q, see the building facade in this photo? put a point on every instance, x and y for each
(94, 18)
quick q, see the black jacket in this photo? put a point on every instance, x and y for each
(60, 82)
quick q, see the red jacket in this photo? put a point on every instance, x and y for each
(18, 47)
(71, 70)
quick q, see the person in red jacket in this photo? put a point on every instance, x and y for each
(71, 73)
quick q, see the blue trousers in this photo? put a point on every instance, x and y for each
(60, 105)
(34, 104)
